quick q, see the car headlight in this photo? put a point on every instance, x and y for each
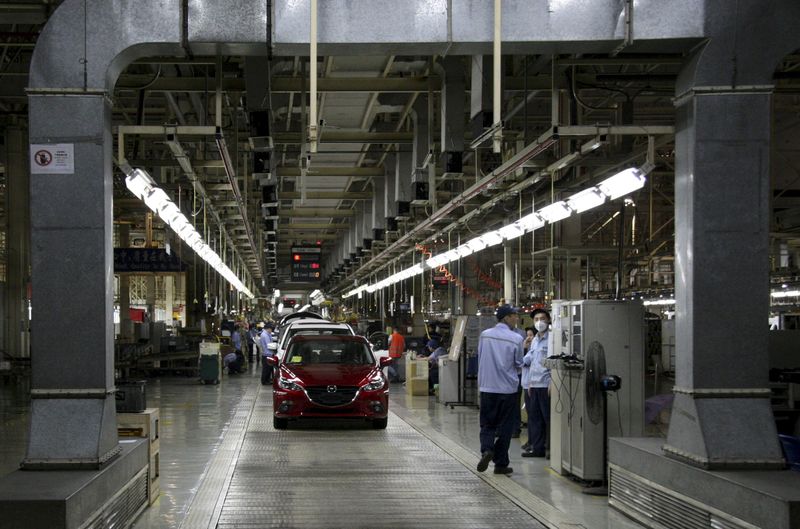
(285, 383)
(375, 383)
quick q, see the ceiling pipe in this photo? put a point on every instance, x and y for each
(497, 137)
(312, 114)
(240, 203)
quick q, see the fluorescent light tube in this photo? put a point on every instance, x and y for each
(464, 250)
(450, 256)
(512, 231)
(555, 212)
(477, 244)
(622, 183)
(491, 238)
(531, 222)
(586, 199)
(139, 183)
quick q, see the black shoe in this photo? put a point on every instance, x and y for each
(503, 470)
(483, 464)
(531, 453)
(526, 447)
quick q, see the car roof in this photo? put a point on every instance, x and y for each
(329, 338)
(317, 323)
(295, 315)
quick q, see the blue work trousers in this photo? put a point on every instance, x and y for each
(497, 423)
(266, 372)
(537, 402)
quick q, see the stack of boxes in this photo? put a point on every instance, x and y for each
(416, 375)
(145, 424)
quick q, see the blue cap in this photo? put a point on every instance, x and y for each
(433, 344)
(505, 310)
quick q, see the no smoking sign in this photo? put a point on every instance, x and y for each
(52, 158)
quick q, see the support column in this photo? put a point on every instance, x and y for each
(125, 324)
(169, 294)
(73, 421)
(722, 217)
(17, 243)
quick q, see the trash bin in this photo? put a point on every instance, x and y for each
(131, 396)
(209, 363)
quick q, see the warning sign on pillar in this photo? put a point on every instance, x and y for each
(52, 158)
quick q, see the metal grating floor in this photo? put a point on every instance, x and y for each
(332, 475)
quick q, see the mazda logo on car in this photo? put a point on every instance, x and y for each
(331, 389)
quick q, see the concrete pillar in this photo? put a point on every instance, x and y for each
(125, 324)
(722, 217)
(73, 421)
(17, 243)
(169, 289)
(150, 296)
(508, 272)
(469, 276)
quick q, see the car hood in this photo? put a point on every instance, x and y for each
(324, 374)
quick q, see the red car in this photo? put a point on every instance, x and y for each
(334, 376)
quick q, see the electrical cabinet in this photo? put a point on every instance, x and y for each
(619, 327)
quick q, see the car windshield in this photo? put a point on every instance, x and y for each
(310, 352)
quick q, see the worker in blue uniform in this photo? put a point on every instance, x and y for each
(500, 355)
(537, 396)
(264, 340)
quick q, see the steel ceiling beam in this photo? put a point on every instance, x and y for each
(332, 171)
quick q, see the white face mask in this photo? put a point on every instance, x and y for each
(540, 325)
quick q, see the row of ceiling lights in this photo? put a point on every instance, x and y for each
(145, 189)
(617, 186)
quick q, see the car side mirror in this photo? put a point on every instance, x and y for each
(272, 346)
(386, 361)
(273, 361)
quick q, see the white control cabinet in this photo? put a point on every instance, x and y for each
(576, 441)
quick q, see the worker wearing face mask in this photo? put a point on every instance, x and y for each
(537, 396)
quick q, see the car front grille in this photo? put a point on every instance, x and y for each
(321, 395)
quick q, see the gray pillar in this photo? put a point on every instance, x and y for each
(508, 272)
(722, 219)
(73, 422)
(17, 243)
(469, 276)
(125, 324)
